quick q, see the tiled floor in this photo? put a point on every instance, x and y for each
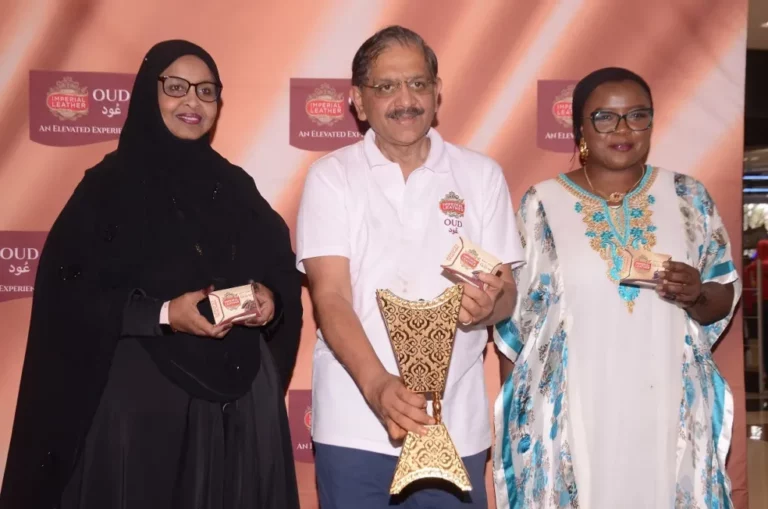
(757, 459)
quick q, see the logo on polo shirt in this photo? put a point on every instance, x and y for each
(452, 205)
(300, 423)
(555, 125)
(321, 117)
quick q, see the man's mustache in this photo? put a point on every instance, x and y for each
(412, 111)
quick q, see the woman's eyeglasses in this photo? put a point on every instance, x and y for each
(179, 87)
(606, 122)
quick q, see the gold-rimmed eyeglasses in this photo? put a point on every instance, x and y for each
(388, 88)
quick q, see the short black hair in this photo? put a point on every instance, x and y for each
(371, 49)
(589, 83)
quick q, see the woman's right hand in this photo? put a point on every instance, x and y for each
(184, 317)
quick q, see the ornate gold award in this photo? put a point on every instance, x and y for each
(422, 334)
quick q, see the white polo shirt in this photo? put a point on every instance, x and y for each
(395, 234)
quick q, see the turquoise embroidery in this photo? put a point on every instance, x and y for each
(609, 230)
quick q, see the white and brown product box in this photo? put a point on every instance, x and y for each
(233, 304)
(465, 260)
(642, 267)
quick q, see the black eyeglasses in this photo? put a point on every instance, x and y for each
(179, 87)
(419, 86)
(608, 121)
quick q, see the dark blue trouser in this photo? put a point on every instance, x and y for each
(355, 479)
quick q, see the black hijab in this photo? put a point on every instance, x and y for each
(157, 218)
(144, 133)
(201, 229)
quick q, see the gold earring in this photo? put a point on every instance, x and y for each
(583, 152)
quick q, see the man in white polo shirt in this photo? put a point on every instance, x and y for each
(383, 213)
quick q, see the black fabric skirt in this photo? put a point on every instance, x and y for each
(152, 446)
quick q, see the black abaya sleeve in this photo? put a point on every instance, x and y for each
(81, 290)
(141, 316)
(285, 282)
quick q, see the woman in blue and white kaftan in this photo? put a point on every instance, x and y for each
(585, 346)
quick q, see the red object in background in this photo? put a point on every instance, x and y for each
(300, 421)
(750, 277)
(19, 256)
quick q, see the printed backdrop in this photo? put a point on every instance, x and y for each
(508, 67)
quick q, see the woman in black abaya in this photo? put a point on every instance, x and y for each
(129, 396)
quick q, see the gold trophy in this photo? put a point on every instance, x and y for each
(422, 334)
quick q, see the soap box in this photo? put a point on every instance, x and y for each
(235, 305)
(642, 267)
(465, 260)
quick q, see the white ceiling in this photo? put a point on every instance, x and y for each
(757, 37)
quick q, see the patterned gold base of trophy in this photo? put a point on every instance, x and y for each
(422, 334)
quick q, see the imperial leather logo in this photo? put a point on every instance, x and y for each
(452, 205)
(321, 118)
(300, 422)
(19, 257)
(555, 126)
(470, 259)
(68, 100)
(562, 107)
(325, 106)
(643, 264)
(231, 301)
(77, 108)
